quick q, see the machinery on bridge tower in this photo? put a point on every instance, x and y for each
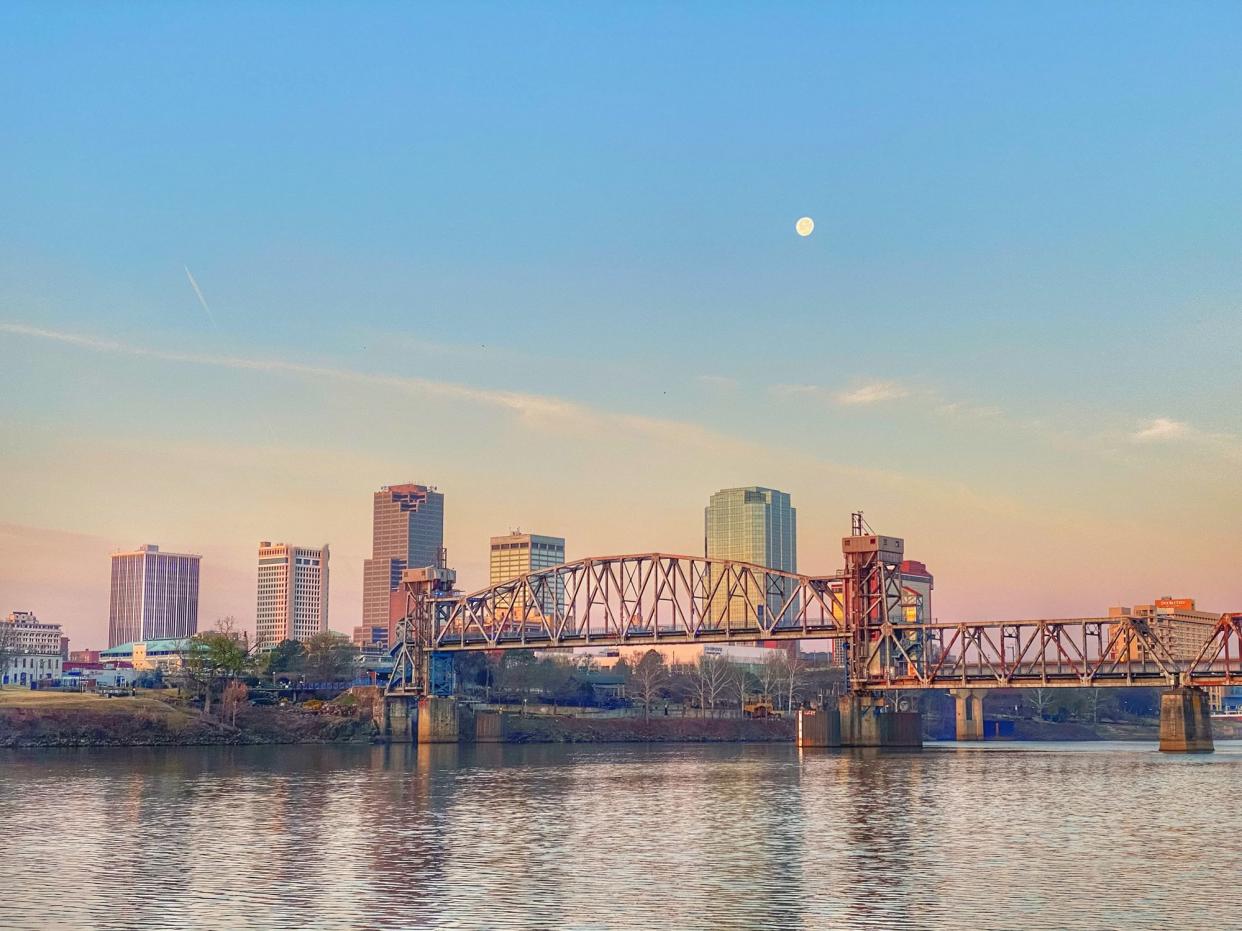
(413, 672)
(873, 605)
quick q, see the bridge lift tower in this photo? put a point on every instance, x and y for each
(412, 672)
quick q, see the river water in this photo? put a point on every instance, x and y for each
(974, 837)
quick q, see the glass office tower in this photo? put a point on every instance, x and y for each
(755, 525)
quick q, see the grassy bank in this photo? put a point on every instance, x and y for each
(59, 719)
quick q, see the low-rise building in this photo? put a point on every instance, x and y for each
(1226, 700)
(168, 655)
(373, 636)
(86, 677)
(30, 649)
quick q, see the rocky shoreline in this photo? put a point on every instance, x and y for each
(89, 721)
(30, 720)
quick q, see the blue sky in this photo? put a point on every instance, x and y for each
(1018, 316)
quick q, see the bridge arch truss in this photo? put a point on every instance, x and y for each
(649, 598)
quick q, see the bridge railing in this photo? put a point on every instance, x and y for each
(1048, 653)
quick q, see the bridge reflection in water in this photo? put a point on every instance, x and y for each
(628, 837)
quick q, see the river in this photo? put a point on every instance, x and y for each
(1101, 835)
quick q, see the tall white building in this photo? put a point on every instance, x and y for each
(293, 593)
(29, 650)
(154, 596)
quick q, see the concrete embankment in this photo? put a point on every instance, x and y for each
(50, 719)
(638, 730)
(1137, 730)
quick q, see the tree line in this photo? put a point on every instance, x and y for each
(218, 659)
(712, 684)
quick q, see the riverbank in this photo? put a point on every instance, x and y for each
(655, 730)
(1136, 730)
(66, 719)
(58, 719)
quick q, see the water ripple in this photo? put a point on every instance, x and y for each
(622, 836)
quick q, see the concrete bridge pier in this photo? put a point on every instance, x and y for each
(1185, 722)
(398, 718)
(969, 704)
(429, 720)
(867, 721)
(441, 721)
(819, 727)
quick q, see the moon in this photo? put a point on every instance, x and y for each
(805, 226)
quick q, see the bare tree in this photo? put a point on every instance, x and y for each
(772, 674)
(588, 664)
(235, 694)
(647, 679)
(8, 646)
(1093, 704)
(711, 676)
(740, 685)
(329, 657)
(795, 668)
(216, 656)
(1041, 700)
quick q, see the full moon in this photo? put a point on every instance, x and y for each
(805, 226)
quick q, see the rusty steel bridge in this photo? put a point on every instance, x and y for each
(655, 599)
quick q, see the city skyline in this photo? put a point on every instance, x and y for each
(1009, 338)
(737, 462)
(478, 574)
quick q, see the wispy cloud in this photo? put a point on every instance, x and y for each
(870, 393)
(793, 391)
(1188, 436)
(875, 392)
(1162, 430)
(519, 402)
(545, 410)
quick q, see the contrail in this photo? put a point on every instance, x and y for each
(202, 300)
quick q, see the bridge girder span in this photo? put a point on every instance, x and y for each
(659, 599)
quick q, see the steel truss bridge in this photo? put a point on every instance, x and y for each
(656, 599)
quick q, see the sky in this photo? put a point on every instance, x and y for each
(257, 260)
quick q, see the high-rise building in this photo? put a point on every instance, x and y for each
(407, 532)
(293, 593)
(755, 525)
(154, 596)
(521, 553)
